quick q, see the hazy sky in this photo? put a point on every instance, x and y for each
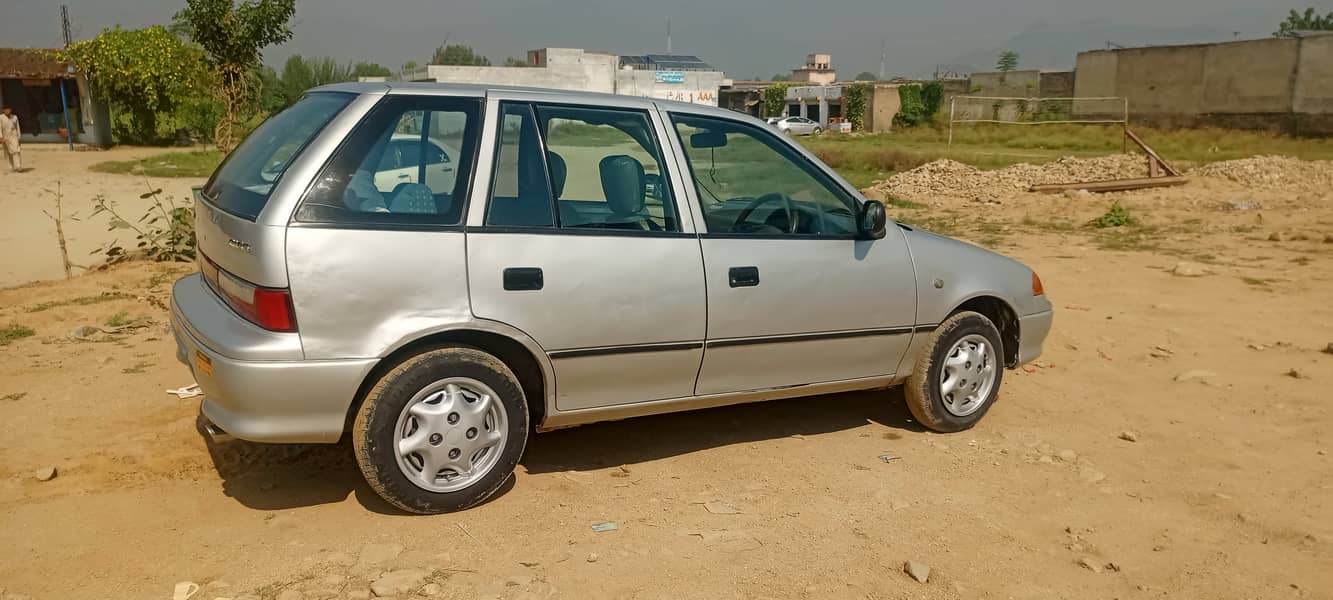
(744, 37)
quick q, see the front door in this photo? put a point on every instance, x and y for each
(793, 296)
(582, 247)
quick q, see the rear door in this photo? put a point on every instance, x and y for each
(580, 244)
(794, 297)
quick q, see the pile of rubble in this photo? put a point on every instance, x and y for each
(1274, 173)
(951, 179)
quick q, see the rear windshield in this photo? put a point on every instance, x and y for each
(243, 184)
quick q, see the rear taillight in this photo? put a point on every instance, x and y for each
(269, 308)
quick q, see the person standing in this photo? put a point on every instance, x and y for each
(9, 138)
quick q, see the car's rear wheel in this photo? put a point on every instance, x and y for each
(957, 377)
(442, 431)
(818, 131)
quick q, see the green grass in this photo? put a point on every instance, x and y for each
(194, 163)
(14, 332)
(119, 319)
(80, 301)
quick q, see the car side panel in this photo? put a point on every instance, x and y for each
(358, 293)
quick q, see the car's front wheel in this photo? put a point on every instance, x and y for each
(957, 377)
(442, 431)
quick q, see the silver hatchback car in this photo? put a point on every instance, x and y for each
(439, 270)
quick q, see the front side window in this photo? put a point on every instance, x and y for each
(579, 168)
(408, 162)
(242, 185)
(750, 182)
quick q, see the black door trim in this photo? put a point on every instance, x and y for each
(809, 337)
(626, 349)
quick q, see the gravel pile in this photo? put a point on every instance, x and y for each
(952, 179)
(1274, 173)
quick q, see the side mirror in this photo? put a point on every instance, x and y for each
(873, 220)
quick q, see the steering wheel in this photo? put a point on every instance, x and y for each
(762, 200)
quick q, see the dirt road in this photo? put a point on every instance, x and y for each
(1224, 489)
(28, 237)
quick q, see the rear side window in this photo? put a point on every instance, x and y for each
(408, 162)
(244, 182)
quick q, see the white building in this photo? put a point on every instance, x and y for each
(667, 76)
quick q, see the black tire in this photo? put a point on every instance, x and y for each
(818, 131)
(373, 432)
(921, 389)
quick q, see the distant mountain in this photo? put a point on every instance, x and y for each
(1056, 46)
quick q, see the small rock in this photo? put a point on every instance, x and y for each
(1129, 436)
(1091, 475)
(1193, 375)
(1299, 237)
(374, 554)
(1320, 452)
(1087, 563)
(1077, 194)
(1067, 455)
(1113, 567)
(1189, 269)
(1295, 374)
(45, 473)
(431, 590)
(1328, 238)
(1329, 348)
(917, 570)
(1276, 236)
(518, 580)
(592, 557)
(398, 582)
(1242, 205)
(605, 526)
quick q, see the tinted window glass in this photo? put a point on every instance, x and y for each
(379, 175)
(750, 182)
(606, 169)
(241, 186)
(520, 193)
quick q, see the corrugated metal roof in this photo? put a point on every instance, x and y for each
(674, 62)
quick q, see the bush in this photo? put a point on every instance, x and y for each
(1116, 216)
(919, 103)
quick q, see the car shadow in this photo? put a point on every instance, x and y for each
(644, 439)
(272, 477)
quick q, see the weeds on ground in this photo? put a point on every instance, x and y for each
(908, 204)
(173, 164)
(1259, 282)
(14, 397)
(136, 368)
(1116, 216)
(165, 232)
(119, 319)
(80, 301)
(13, 332)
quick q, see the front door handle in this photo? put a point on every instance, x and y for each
(523, 279)
(743, 276)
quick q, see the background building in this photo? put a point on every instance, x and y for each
(818, 70)
(678, 77)
(30, 83)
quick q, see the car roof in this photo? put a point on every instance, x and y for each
(555, 95)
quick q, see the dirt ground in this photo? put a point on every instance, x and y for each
(28, 233)
(1213, 368)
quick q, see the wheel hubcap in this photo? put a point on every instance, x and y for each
(967, 375)
(450, 434)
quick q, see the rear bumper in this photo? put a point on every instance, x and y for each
(281, 401)
(1032, 331)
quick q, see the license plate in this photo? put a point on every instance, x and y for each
(204, 363)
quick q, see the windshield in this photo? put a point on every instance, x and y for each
(241, 186)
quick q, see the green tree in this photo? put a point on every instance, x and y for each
(369, 69)
(300, 74)
(866, 76)
(409, 65)
(458, 54)
(146, 72)
(517, 62)
(781, 77)
(233, 36)
(1007, 61)
(1307, 21)
(272, 94)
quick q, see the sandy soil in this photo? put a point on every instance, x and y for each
(28, 233)
(1226, 492)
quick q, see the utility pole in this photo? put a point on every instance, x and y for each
(668, 35)
(881, 58)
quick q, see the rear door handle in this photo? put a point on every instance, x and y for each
(743, 276)
(523, 279)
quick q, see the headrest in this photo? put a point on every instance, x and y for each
(622, 183)
(559, 171)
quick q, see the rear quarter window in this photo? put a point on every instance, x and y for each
(242, 185)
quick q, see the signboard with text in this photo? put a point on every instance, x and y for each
(670, 77)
